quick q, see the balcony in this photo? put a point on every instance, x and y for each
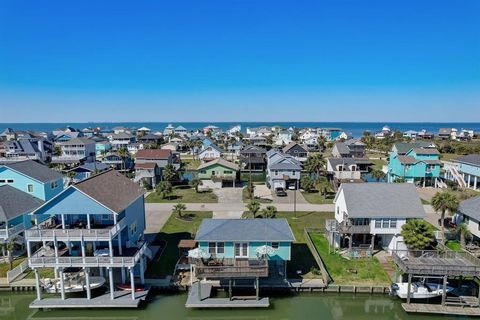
(6, 233)
(80, 262)
(232, 268)
(346, 227)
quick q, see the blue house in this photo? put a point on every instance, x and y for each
(32, 178)
(468, 167)
(414, 163)
(88, 169)
(101, 222)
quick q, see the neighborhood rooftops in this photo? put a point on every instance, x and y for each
(245, 230)
(473, 159)
(112, 189)
(426, 151)
(14, 203)
(154, 154)
(470, 208)
(220, 162)
(384, 200)
(404, 147)
(34, 170)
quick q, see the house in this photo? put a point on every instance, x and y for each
(8, 134)
(210, 153)
(348, 169)
(212, 129)
(424, 134)
(32, 178)
(121, 129)
(283, 171)
(181, 131)
(118, 162)
(371, 215)
(168, 130)
(447, 133)
(352, 148)
(76, 150)
(234, 130)
(27, 149)
(465, 134)
(171, 146)
(143, 131)
(219, 170)
(253, 158)
(149, 139)
(419, 165)
(149, 164)
(15, 207)
(410, 134)
(64, 136)
(102, 147)
(465, 170)
(259, 141)
(469, 213)
(295, 150)
(121, 140)
(283, 138)
(101, 222)
(235, 148)
(86, 170)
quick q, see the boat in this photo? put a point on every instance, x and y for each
(72, 283)
(418, 290)
(127, 287)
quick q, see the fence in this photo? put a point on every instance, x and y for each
(17, 271)
(325, 276)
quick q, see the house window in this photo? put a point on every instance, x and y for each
(3, 180)
(30, 187)
(393, 223)
(54, 184)
(386, 223)
(10, 181)
(212, 247)
(276, 172)
(227, 171)
(378, 223)
(275, 245)
(203, 171)
(133, 228)
(220, 247)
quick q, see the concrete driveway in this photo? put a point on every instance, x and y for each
(261, 191)
(229, 195)
(156, 215)
(289, 198)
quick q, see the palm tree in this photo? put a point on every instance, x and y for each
(444, 202)
(253, 206)
(250, 190)
(164, 188)
(269, 212)
(315, 164)
(417, 234)
(169, 173)
(8, 247)
(179, 209)
(378, 174)
(307, 183)
(71, 175)
(123, 153)
(195, 183)
(198, 145)
(321, 143)
(464, 233)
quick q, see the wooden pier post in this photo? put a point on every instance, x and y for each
(444, 293)
(37, 284)
(409, 287)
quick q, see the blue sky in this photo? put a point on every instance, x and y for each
(243, 60)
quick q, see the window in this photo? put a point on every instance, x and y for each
(276, 172)
(3, 180)
(203, 171)
(53, 184)
(212, 247)
(133, 228)
(393, 223)
(10, 181)
(275, 245)
(220, 247)
(213, 172)
(378, 223)
(227, 171)
(386, 223)
(30, 187)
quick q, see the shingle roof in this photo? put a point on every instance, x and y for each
(14, 203)
(146, 165)
(348, 161)
(220, 162)
(291, 145)
(426, 151)
(245, 230)
(77, 141)
(154, 154)
(404, 147)
(470, 207)
(407, 159)
(473, 159)
(253, 149)
(34, 170)
(386, 200)
(91, 166)
(342, 148)
(112, 189)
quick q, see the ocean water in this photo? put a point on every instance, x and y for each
(355, 129)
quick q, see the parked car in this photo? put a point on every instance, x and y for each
(447, 222)
(291, 187)
(280, 192)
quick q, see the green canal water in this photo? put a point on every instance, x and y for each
(298, 307)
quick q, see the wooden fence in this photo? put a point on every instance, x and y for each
(325, 275)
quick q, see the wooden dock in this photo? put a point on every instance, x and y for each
(123, 299)
(202, 299)
(439, 309)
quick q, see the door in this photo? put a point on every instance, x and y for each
(241, 250)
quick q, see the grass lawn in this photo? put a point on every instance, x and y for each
(369, 271)
(172, 232)
(256, 177)
(191, 163)
(424, 201)
(184, 194)
(378, 164)
(448, 156)
(5, 267)
(454, 245)
(315, 197)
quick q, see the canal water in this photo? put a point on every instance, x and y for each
(14, 306)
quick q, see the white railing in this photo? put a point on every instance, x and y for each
(17, 271)
(7, 233)
(452, 169)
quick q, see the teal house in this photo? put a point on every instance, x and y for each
(416, 163)
(219, 170)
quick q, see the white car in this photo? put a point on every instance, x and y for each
(291, 187)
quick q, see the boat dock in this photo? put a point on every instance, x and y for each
(122, 299)
(200, 297)
(439, 309)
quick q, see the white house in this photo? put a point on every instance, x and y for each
(211, 152)
(372, 214)
(469, 213)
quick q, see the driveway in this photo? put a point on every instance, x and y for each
(156, 215)
(263, 192)
(229, 195)
(289, 198)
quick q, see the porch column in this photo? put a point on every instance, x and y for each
(373, 242)
(119, 243)
(28, 249)
(230, 289)
(350, 242)
(132, 283)
(55, 247)
(87, 282)
(110, 248)
(444, 293)
(409, 287)
(88, 221)
(62, 284)
(124, 276)
(468, 181)
(82, 245)
(475, 183)
(63, 221)
(37, 284)
(142, 271)
(257, 280)
(110, 279)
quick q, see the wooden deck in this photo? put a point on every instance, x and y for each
(205, 301)
(123, 299)
(233, 268)
(439, 309)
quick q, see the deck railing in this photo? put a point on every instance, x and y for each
(233, 268)
(17, 271)
(6, 233)
(344, 227)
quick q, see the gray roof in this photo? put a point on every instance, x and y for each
(473, 159)
(342, 148)
(77, 141)
(25, 146)
(386, 200)
(285, 166)
(14, 203)
(404, 147)
(220, 162)
(245, 230)
(470, 208)
(112, 189)
(35, 170)
(180, 128)
(91, 166)
(349, 161)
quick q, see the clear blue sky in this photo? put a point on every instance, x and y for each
(243, 60)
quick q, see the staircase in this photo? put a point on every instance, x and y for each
(452, 169)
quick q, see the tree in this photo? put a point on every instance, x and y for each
(378, 174)
(169, 173)
(57, 151)
(417, 234)
(321, 141)
(269, 212)
(198, 144)
(253, 206)
(195, 183)
(444, 202)
(123, 153)
(71, 175)
(464, 233)
(164, 188)
(8, 247)
(179, 209)
(307, 183)
(250, 190)
(315, 164)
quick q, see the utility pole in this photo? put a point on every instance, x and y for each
(295, 199)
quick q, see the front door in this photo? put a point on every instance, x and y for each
(241, 250)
